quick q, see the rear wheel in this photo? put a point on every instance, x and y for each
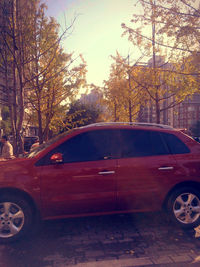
(184, 207)
(16, 218)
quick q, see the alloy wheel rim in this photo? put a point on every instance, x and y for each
(186, 208)
(11, 219)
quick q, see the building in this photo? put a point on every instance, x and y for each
(187, 113)
(182, 115)
(96, 99)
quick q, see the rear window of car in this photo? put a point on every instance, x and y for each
(175, 145)
(141, 143)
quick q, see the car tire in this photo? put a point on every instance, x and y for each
(184, 207)
(16, 218)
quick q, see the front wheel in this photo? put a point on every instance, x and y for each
(184, 207)
(15, 218)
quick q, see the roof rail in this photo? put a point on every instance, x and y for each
(163, 126)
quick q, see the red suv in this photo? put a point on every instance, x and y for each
(100, 169)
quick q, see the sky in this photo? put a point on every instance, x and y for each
(96, 32)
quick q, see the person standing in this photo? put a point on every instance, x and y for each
(7, 149)
(35, 144)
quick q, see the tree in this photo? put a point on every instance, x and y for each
(42, 74)
(52, 77)
(159, 79)
(180, 24)
(14, 34)
(123, 95)
(80, 114)
(5, 122)
(181, 21)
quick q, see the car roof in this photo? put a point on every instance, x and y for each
(133, 124)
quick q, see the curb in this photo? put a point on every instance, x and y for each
(171, 260)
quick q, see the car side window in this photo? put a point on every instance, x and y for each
(141, 143)
(176, 146)
(88, 146)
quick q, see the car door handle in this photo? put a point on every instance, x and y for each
(165, 168)
(106, 172)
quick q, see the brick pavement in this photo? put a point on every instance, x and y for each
(118, 240)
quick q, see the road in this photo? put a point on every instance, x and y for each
(145, 239)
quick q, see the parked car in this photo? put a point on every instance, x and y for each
(102, 168)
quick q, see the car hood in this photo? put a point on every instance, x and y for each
(14, 161)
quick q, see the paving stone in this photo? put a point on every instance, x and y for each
(162, 260)
(181, 258)
(196, 260)
(119, 241)
(135, 262)
(117, 263)
(125, 256)
(194, 255)
(94, 253)
(127, 239)
(110, 258)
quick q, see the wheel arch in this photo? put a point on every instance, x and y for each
(194, 184)
(25, 195)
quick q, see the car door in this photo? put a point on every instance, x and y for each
(85, 181)
(144, 169)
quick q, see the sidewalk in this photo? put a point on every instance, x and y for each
(106, 241)
(168, 261)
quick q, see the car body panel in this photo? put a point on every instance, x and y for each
(103, 186)
(21, 174)
(72, 188)
(142, 183)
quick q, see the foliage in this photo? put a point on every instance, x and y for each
(181, 24)
(80, 114)
(15, 34)
(38, 74)
(57, 77)
(166, 83)
(5, 122)
(123, 95)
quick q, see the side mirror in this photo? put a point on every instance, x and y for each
(56, 158)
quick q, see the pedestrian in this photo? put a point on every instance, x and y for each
(7, 149)
(35, 144)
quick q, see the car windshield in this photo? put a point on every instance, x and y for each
(43, 146)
